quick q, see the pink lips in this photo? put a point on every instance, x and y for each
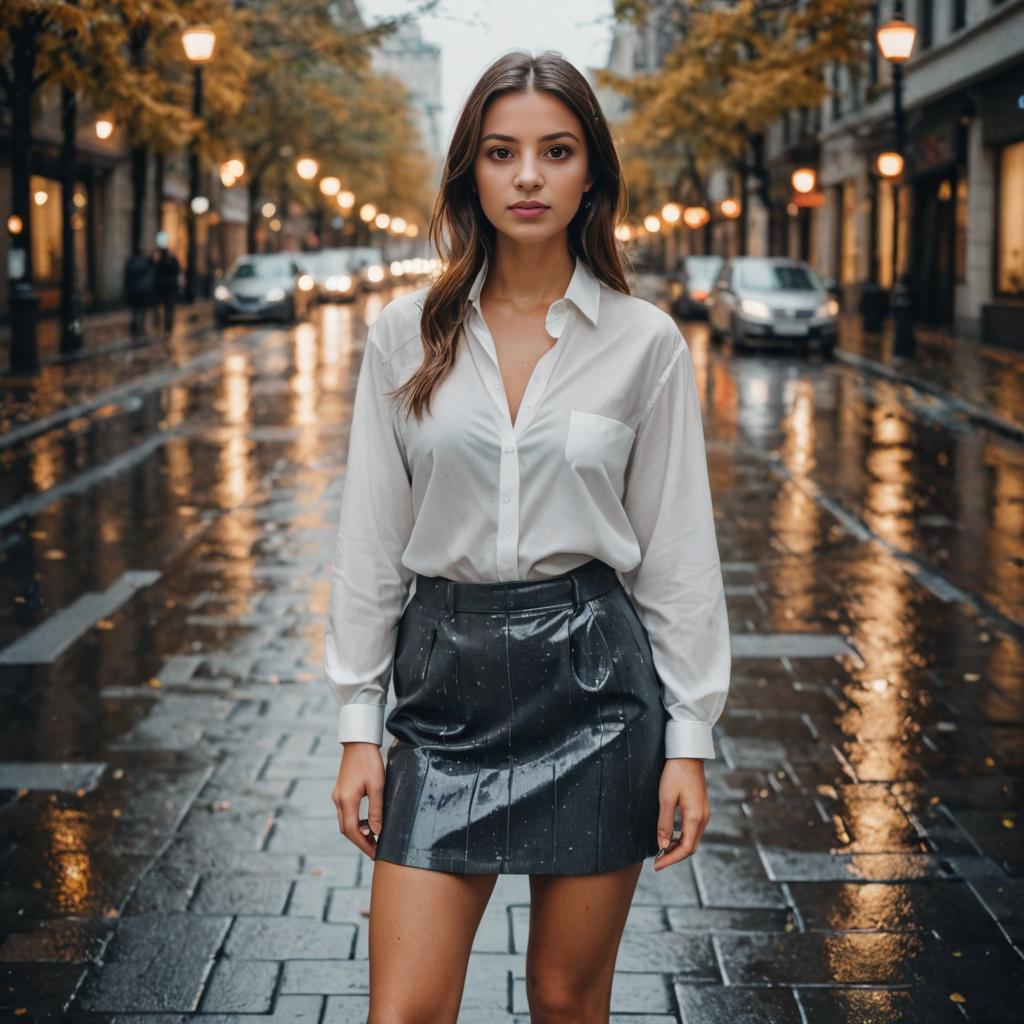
(529, 209)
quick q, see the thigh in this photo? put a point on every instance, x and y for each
(576, 924)
(422, 924)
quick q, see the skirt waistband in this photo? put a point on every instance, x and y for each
(569, 588)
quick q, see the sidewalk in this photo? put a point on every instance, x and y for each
(110, 357)
(985, 384)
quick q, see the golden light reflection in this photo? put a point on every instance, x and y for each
(303, 381)
(235, 471)
(888, 501)
(44, 464)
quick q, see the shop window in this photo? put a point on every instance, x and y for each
(45, 199)
(848, 262)
(925, 24)
(959, 14)
(884, 231)
(960, 238)
(1010, 211)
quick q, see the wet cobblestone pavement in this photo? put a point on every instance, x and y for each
(169, 847)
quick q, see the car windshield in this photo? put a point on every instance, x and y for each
(326, 261)
(776, 277)
(703, 268)
(271, 267)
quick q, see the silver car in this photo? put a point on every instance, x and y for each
(759, 299)
(263, 286)
(333, 270)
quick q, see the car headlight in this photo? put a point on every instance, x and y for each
(275, 295)
(754, 307)
(305, 283)
(222, 293)
(829, 308)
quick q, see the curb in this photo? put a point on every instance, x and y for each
(973, 412)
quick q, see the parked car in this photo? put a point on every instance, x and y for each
(371, 271)
(333, 272)
(766, 298)
(690, 286)
(264, 286)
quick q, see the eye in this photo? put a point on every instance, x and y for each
(499, 149)
(566, 149)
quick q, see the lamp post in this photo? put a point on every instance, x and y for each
(896, 42)
(198, 42)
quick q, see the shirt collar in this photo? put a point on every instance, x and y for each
(583, 291)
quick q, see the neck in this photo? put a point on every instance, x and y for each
(527, 276)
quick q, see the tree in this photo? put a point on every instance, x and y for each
(734, 70)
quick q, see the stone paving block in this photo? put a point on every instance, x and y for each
(672, 886)
(56, 940)
(56, 777)
(714, 1004)
(222, 893)
(179, 669)
(333, 977)
(1004, 899)
(949, 909)
(879, 1006)
(309, 898)
(685, 956)
(821, 959)
(792, 866)
(286, 938)
(241, 986)
(174, 723)
(734, 877)
(41, 991)
(311, 837)
(711, 920)
(287, 1010)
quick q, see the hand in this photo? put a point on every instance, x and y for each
(361, 772)
(682, 785)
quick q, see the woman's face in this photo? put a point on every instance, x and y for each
(532, 149)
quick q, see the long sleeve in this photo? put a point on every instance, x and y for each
(369, 584)
(677, 588)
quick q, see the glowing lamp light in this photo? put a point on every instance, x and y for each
(803, 180)
(696, 217)
(890, 165)
(330, 186)
(200, 205)
(268, 210)
(40, 197)
(198, 42)
(896, 40)
(15, 225)
(671, 212)
(306, 168)
(346, 200)
(412, 230)
(730, 208)
(382, 220)
(104, 127)
(275, 224)
(367, 212)
(651, 223)
(227, 179)
(622, 232)
(234, 167)
(398, 225)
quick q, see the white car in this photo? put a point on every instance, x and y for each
(766, 299)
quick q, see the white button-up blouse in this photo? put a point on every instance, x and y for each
(605, 460)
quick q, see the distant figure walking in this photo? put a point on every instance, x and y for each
(139, 278)
(168, 272)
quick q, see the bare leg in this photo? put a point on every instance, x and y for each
(422, 924)
(576, 924)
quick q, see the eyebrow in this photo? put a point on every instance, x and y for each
(543, 138)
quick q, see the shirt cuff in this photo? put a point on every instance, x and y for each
(361, 723)
(688, 739)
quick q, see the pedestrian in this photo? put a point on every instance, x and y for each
(526, 546)
(168, 273)
(138, 288)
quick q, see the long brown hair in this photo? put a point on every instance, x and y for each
(463, 236)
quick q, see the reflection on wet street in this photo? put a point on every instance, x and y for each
(169, 841)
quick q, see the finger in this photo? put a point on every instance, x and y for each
(376, 812)
(350, 810)
(666, 821)
(684, 848)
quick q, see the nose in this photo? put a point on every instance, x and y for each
(528, 176)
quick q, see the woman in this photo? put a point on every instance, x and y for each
(526, 458)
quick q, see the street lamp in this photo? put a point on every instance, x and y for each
(198, 42)
(896, 43)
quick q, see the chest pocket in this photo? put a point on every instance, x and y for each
(597, 444)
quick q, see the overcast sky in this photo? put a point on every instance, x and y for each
(472, 33)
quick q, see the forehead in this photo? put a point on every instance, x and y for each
(529, 115)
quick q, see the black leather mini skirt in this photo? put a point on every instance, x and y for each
(528, 728)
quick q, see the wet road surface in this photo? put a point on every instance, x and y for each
(168, 843)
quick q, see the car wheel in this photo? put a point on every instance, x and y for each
(828, 348)
(220, 320)
(289, 313)
(739, 341)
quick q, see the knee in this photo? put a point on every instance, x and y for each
(554, 1001)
